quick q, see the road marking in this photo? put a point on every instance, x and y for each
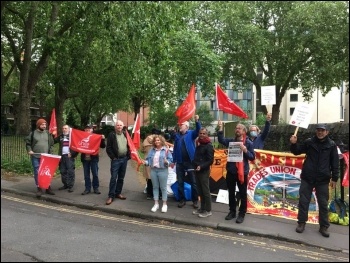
(299, 252)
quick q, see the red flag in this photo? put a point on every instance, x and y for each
(136, 131)
(47, 168)
(134, 154)
(85, 142)
(345, 181)
(53, 124)
(225, 104)
(187, 108)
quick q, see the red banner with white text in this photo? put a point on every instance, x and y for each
(47, 169)
(85, 142)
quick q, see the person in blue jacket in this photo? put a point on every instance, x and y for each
(183, 155)
(258, 138)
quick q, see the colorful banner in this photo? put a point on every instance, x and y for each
(53, 124)
(47, 168)
(136, 131)
(273, 183)
(85, 142)
(133, 152)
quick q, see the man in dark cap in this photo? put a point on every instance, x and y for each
(37, 142)
(320, 169)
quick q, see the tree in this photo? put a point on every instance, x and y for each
(294, 44)
(204, 114)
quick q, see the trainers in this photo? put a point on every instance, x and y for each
(96, 191)
(39, 192)
(149, 197)
(324, 232)
(63, 187)
(155, 208)
(164, 208)
(181, 204)
(195, 204)
(240, 219)
(197, 212)
(300, 228)
(49, 191)
(70, 190)
(85, 192)
(204, 214)
(231, 215)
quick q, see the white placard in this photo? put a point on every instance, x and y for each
(235, 154)
(302, 115)
(222, 196)
(268, 95)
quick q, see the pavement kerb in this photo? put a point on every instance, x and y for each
(172, 219)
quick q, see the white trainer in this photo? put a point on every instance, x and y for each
(164, 208)
(155, 208)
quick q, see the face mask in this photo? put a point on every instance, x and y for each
(253, 134)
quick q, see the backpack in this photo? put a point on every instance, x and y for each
(338, 211)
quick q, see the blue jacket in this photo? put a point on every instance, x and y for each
(259, 141)
(189, 138)
(164, 153)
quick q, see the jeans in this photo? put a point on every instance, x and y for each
(190, 178)
(322, 195)
(159, 178)
(35, 164)
(118, 170)
(93, 166)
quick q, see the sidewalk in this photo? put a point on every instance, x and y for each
(136, 205)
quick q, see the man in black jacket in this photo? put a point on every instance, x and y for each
(118, 150)
(320, 168)
(67, 162)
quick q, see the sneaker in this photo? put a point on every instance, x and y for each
(164, 208)
(195, 204)
(205, 214)
(70, 190)
(324, 232)
(85, 192)
(63, 187)
(231, 215)
(49, 191)
(149, 197)
(145, 190)
(96, 191)
(181, 204)
(300, 228)
(155, 208)
(240, 219)
(197, 212)
(39, 192)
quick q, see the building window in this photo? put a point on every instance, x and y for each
(224, 116)
(293, 97)
(291, 111)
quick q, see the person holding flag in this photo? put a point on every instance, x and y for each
(237, 171)
(118, 151)
(37, 142)
(183, 155)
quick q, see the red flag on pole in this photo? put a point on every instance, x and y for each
(47, 168)
(224, 103)
(134, 153)
(187, 108)
(137, 134)
(53, 124)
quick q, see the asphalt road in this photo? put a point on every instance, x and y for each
(40, 231)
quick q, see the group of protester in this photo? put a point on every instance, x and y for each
(193, 155)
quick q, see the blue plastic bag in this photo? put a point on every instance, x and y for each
(187, 188)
